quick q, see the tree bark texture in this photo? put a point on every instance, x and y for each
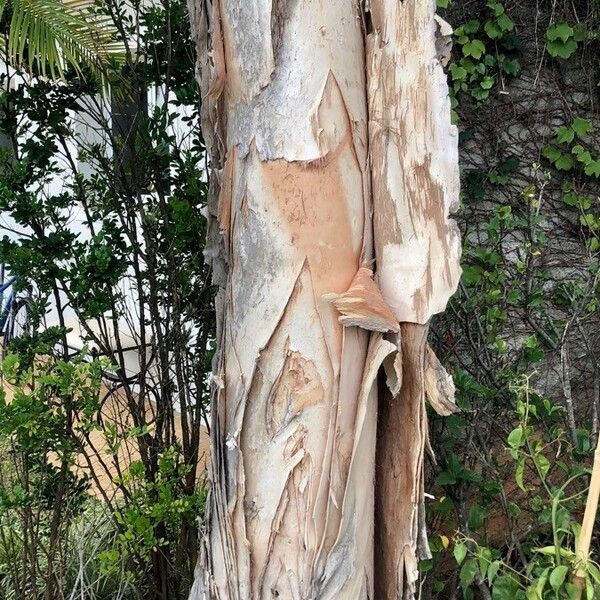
(325, 124)
(415, 185)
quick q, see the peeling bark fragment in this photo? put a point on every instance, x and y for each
(363, 305)
(439, 386)
(400, 539)
(414, 176)
(414, 160)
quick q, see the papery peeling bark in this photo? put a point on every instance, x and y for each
(303, 112)
(414, 160)
(415, 185)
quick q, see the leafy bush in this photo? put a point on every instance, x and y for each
(102, 201)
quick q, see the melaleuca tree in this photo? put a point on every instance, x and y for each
(333, 159)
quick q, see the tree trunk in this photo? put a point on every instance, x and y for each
(305, 111)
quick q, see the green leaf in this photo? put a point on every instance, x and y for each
(594, 571)
(493, 30)
(565, 135)
(564, 163)
(468, 572)
(512, 67)
(493, 571)
(589, 589)
(471, 27)
(484, 560)
(514, 510)
(474, 48)
(557, 577)
(590, 221)
(583, 441)
(541, 583)
(562, 31)
(496, 7)
(552, 153)
(592, 169)
(579, 32)
(460, 552)
(445, 478)
(531, 593)
(546, 550)
(543, 464)
(583, 155)
(505, 22)
(582, 126)
(480, 94)
(51, 33)
(487, 83)
(472, 274)
(477, 516)
(562, 49)
(515, 437)
(470, 476)
(520, 473)
(425, 566)
(505, 588)
(458, 73)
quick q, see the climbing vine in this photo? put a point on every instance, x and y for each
(510, 475)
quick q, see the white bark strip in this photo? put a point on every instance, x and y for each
(414, 160)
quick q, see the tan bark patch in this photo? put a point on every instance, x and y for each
(299, 386)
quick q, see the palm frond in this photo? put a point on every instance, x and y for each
(51, 34)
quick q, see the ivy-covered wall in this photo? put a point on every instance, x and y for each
(522, 331)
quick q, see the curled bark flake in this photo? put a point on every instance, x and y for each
(363, 305)
(439, 386)
(393, 370)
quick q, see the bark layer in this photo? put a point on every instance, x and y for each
(415, 183)
(414, 159)
(303, 112)
(400, 538)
